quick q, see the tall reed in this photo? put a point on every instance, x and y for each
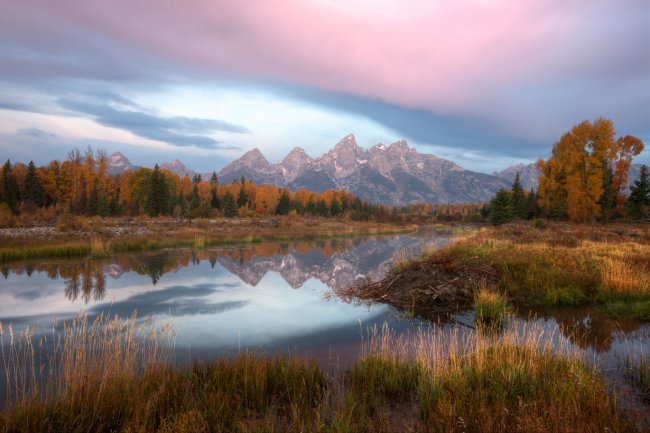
(81, 354)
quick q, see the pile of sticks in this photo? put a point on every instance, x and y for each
(430, 286)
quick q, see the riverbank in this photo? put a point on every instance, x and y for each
(552, 264)
(100, 238)
(431, 381)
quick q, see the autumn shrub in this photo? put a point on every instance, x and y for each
(7, 217)
(68, 222)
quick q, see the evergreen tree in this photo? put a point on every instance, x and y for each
(501, 208)
(11, 194)
(229, 207)
(182, 206)
(321, 208)
(311, 207)
(196, 179)
(194, 202)
(532, 208)
(640, 195)
(608, 199)
(518, 199)
(242, 199)
(214, 199)
(284, 204)
(214, 188)
(93, 198)
(335, 208)
(33, 189)
(157, 200)
(344, 203)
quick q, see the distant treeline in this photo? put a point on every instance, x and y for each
(583, 180)
(81, 185)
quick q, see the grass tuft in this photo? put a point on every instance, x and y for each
(490, 308)
(100, 248)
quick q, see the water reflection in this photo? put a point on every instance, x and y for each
(587, 328)
(223, 297)
(337, 263)
(219, 298)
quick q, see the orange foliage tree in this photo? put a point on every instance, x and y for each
(573, 180)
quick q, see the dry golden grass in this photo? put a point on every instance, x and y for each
(100, 248)
(81, 354)
(566, 265)
(115, 376)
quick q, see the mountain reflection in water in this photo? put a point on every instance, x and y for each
(242, 296)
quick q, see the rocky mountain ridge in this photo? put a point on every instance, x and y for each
(393, 174)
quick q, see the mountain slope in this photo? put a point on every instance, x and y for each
(528, 174)
(117, 164)
(394, 174)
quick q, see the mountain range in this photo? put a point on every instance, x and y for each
(392, 174)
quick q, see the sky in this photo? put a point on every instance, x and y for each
(485, 83)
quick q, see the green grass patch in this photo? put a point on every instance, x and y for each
(490, 307)
(629, 307)
(377, 377)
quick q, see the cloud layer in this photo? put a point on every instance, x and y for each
(502, 76)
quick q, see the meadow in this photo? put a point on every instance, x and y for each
(550, 265)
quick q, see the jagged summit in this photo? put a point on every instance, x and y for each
(117, 164)
(393, 174)
(178, 168)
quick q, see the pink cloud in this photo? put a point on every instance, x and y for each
(445, 56)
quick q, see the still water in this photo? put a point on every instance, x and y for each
(270, 298)
(273, 297)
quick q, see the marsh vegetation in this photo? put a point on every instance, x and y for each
(425, 381)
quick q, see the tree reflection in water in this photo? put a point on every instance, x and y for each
(586, 327)
(337, 263)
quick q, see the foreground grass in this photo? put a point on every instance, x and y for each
(429, 381)
(103, 242)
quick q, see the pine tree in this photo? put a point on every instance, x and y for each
(321, 208)
(501, 208)
(311, 207)
(335, 209)
(157, 200)
(214, 188)
(242, 199)
(608, 199)
(518, 199)
(194, 202)
(284, 204)
(11, 194)
(640, 195)
(229, 206)
(33, 189)
(532, 208)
